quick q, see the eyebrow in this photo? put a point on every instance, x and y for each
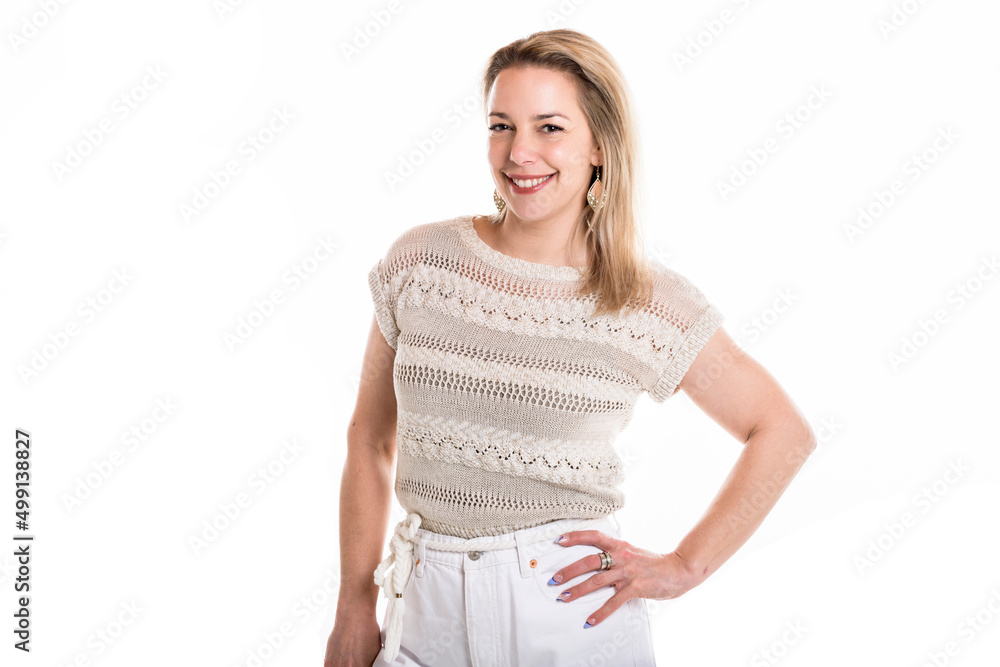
(541, 116)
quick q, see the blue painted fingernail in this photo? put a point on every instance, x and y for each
(587, 625)
(563, 596)
(556, 579)
(561, 539)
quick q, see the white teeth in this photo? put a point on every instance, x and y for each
(532, 183)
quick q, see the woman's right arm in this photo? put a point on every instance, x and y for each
(365, 499)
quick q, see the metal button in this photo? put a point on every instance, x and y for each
(474, 555)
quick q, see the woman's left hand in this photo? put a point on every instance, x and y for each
(634, 573)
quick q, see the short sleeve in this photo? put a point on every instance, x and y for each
(388, 278)
(385, 307)
(686, 322)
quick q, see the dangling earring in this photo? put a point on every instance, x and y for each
(594, 202)
(498, 200)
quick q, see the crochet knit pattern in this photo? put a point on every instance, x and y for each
(509, 392)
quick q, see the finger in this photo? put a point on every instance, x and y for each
(589, 563)
(614, 579)
(612, 605)
(600, 540)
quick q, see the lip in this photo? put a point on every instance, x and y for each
(518, 190)
(525, 177)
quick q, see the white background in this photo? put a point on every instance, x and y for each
(888, 432)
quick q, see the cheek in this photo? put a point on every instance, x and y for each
(497, 152)
(572, 162)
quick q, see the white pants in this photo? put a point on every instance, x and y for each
(494, 608)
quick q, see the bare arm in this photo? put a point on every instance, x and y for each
(365, 499)
(750, 404)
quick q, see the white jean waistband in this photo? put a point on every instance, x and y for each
(401, 549)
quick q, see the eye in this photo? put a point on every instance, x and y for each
(556, 128)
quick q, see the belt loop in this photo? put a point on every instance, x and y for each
(421, 554)
(522, 552)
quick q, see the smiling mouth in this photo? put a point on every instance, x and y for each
(528, 183)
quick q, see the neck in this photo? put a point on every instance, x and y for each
(543, 241)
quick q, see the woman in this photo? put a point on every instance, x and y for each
(506, 354)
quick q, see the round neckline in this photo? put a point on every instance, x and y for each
(522, 267)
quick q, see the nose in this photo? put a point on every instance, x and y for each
(522, 149)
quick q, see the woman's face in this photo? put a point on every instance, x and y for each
(527, 140)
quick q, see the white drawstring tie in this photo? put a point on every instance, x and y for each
(400, 554)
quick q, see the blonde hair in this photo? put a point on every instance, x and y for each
(620, 273)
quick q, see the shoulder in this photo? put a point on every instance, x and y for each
(674, 289)
(416, 241)
(415, 244)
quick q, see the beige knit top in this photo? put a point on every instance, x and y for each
(509, 394)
